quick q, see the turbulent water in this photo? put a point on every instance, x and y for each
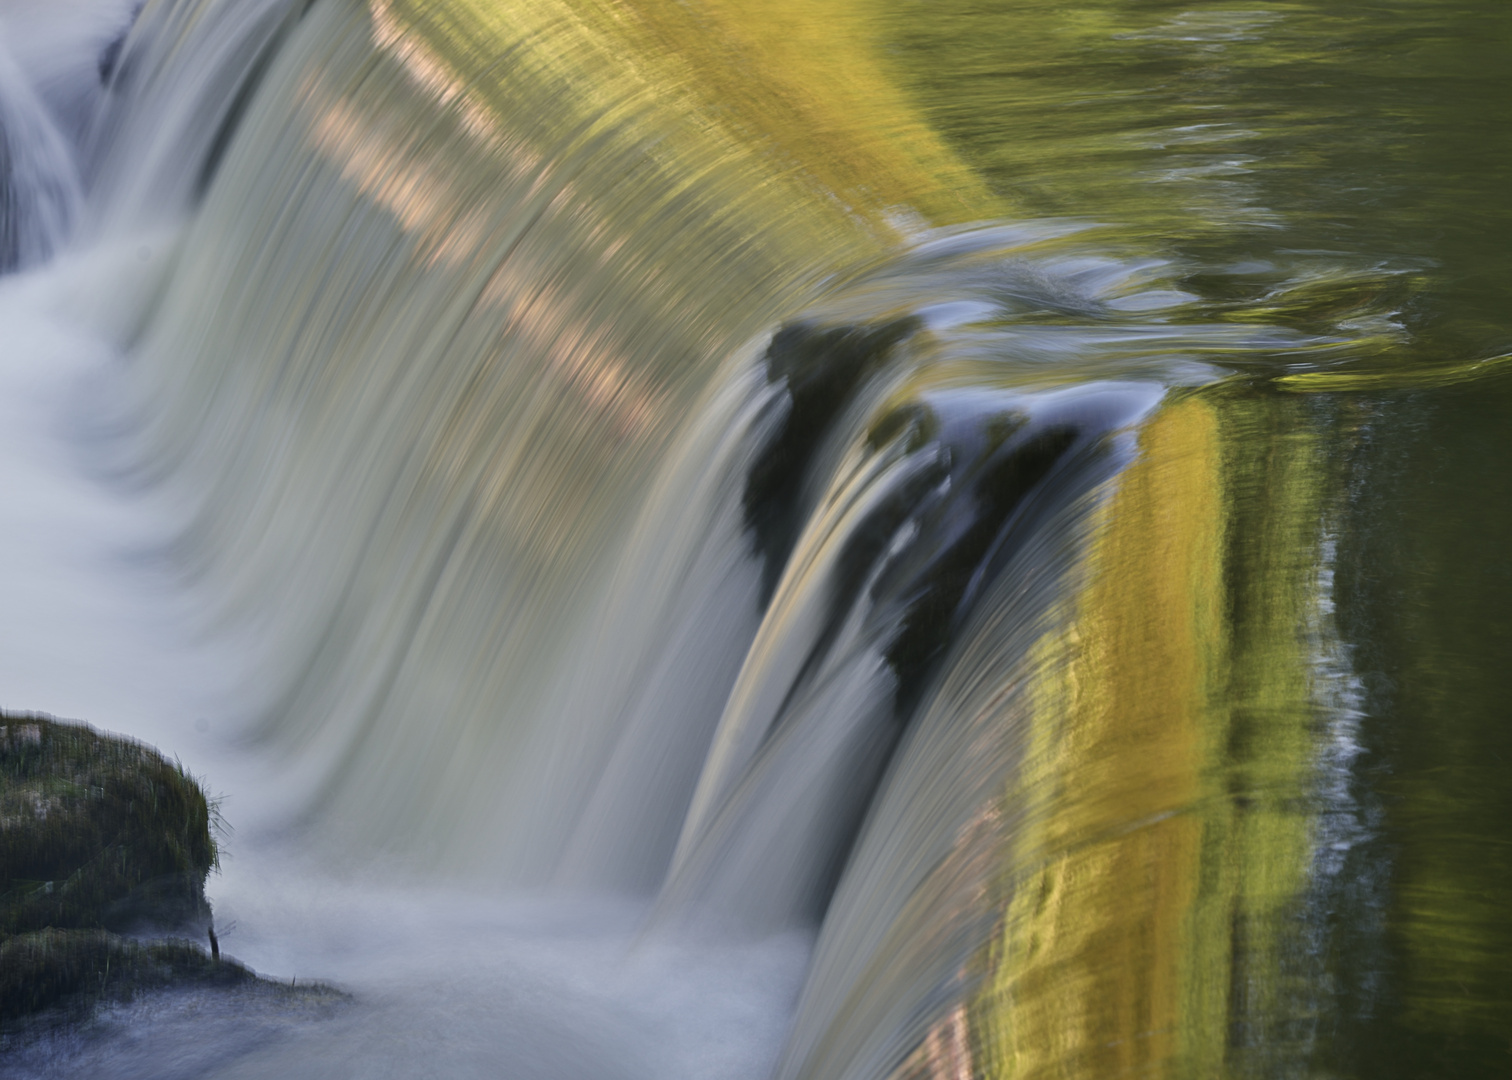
(842, 541)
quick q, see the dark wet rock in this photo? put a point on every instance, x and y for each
(10, 209)
(109, 62)
(110, 56)
(822, 368)
(99, 835)
(75, 968)
(98, 832)
(956, 560)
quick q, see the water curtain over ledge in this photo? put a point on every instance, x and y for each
(814, 471)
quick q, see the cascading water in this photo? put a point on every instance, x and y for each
(670, 590)
(39, 183)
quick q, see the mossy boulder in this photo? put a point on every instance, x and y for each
(97, 834)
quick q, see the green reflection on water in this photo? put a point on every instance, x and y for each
(1268, 817)
(1334, 896)
(1333, 167)
(1428, 595)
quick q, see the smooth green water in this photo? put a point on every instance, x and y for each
(1426, 592)
(1328, 166)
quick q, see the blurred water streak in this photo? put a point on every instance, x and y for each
(1011, 489)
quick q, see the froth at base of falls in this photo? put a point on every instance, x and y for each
(675, 574)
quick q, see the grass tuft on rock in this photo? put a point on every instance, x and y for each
(97, 834)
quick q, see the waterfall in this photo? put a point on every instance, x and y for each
(175, 84)
(39, 180)
(607, 494)
(464, 411)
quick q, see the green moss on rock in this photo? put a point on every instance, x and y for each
(97, 834)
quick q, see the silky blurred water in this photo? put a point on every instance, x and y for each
(836, 540)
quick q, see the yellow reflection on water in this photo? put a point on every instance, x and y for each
(1166, 835)
(803, 86)
(1089, 979)
(813, 76)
